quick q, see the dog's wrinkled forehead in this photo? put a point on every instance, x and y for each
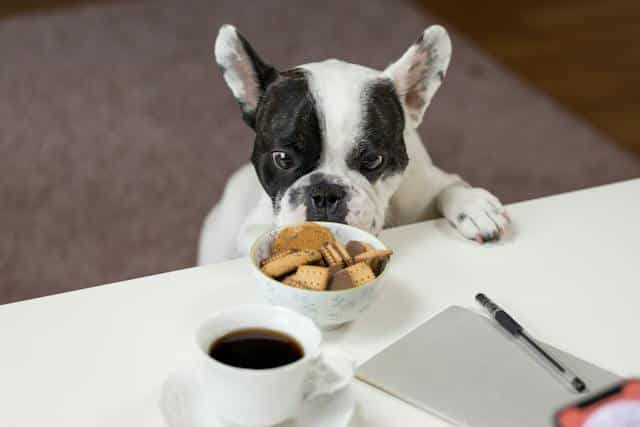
(339, 90)
(350, 113)
(362, 119)
(359, 111)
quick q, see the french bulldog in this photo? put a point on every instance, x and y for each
(335, 141)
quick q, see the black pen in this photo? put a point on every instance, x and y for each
(514, 328)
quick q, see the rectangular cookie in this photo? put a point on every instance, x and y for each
(376, 258)
(313, 277)
(373, 254)
(336, 254)
(356, 275)
(275, 256)
(290, 262)
(331, 255)
(344, 254)
(292, 280)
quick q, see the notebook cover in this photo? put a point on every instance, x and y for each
(464, 368)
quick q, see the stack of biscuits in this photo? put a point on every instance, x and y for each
(308, 256)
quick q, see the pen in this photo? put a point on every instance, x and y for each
(514, 328)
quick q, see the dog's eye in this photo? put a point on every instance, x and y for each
(372, 162)
(282, 160)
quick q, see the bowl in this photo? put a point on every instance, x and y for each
(328, 309)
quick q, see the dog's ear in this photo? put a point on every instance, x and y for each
(245, 73)
(417, 75)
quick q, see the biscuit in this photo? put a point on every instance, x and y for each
(331, 255)
(313, 277)
(290, 262)
(356, 247)
(376, 258)
(305, 236)
(308, 256)
(276, 256)
(373, 254)
(293, 281)
(344, 254)
(351, 277)
(341, 281)
(360, 273)
(320, 263)
(333, 269)
(335, 253)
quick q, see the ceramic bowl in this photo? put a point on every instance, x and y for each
(328, 309)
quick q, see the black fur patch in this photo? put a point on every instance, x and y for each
(286, 120)
(381, 133)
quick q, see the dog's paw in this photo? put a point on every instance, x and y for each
(477, 214)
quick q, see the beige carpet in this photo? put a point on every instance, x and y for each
(117, 132)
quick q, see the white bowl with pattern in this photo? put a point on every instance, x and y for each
(328, 309)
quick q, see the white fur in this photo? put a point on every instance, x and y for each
(420, 71)
(337, 87)
(238, 71)
(422, 192)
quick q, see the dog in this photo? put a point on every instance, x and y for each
(335, 141)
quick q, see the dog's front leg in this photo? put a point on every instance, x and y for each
(428, 192)
(477, 214)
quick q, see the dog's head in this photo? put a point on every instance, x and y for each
(330, 136)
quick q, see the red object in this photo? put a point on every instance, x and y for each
(576, 415)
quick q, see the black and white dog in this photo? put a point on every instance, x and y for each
(338, 142)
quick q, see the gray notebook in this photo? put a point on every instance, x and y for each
(462, 367)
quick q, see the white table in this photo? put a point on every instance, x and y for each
(96, 357)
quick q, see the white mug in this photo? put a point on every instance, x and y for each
(264, 397)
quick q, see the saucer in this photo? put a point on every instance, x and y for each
(183, 405)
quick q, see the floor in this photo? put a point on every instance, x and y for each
(582, 52)
(17, 7)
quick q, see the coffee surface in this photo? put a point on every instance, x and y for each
(256, 348)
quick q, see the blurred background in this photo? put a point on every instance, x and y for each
(117, 133)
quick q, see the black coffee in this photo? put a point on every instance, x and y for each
(256, 349)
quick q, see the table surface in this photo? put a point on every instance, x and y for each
(568, 272)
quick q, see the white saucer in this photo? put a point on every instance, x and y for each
(183, 405)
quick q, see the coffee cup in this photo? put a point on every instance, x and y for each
(261, 362)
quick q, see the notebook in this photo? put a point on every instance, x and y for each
(463, 368)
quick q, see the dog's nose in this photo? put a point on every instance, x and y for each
(326, 199)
